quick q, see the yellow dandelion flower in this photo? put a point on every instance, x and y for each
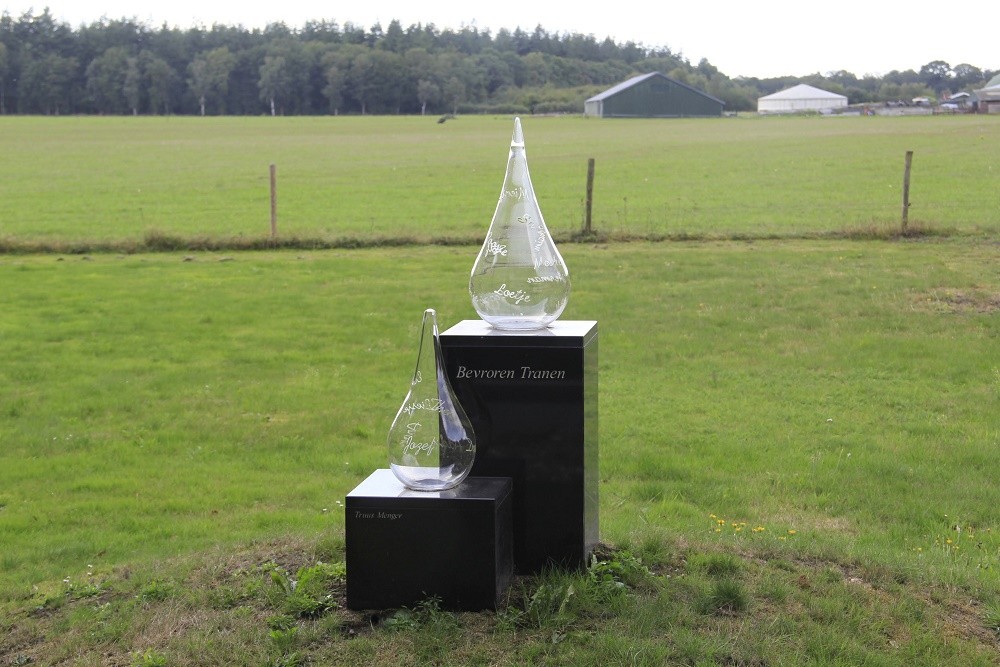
(792, 531)
(948, 541)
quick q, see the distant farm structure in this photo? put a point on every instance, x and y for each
(801, 98)
(987, 98)
(653, 95)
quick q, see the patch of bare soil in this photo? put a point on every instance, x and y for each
(954, 300)
(965, 619)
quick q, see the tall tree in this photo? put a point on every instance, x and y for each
(290, 77)
(4, 69)
(106, 80)
(132, 86)
(394, 39)
(421, 36)
(495, 72)
(459, 79)
(375, 35)
(361, 79)
(209, 76)
(322, 30)
(967, 76)
(47, 84)
(375, 80)
(420, 64)
(273, 83)
(200, 82)
(427, 91)
(333, 91)
(160, 81)
(454, 93)
(44, 34)
(392, 86)
(537, 71)
(936, 74)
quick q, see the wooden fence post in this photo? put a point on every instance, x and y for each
(274, 202)
(590, 195)
(906, 189)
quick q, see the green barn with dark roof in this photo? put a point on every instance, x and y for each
(652, 95)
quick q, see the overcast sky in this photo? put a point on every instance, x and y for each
(763, 39)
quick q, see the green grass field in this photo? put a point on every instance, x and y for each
(798, 435)
(819, 417)
(73, 179)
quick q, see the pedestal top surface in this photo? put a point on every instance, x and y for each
(383, 484)
(561, 333)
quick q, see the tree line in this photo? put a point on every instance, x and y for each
(127, 67)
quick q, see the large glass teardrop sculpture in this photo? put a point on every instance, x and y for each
(519, 280)
(431, 442)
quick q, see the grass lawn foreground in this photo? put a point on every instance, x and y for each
(798, 456)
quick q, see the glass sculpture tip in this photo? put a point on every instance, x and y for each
(518, 138)
(430, 322)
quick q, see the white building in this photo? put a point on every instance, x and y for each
(800, 98)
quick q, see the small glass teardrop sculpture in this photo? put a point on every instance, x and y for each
(431, 442)
(519, 280)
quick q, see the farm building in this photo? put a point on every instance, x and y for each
(652, 95)
(987, 98)
(961, 100)
(800, 98)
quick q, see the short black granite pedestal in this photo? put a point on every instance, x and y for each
(532, 400)
(405, 546)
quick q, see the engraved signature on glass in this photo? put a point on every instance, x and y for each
(431, 442)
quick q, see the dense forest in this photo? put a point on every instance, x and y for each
(126, 67)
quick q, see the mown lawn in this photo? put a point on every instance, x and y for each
(798, 442)
(90, 180)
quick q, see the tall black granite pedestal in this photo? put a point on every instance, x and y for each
(405, 546)
(532, 400)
